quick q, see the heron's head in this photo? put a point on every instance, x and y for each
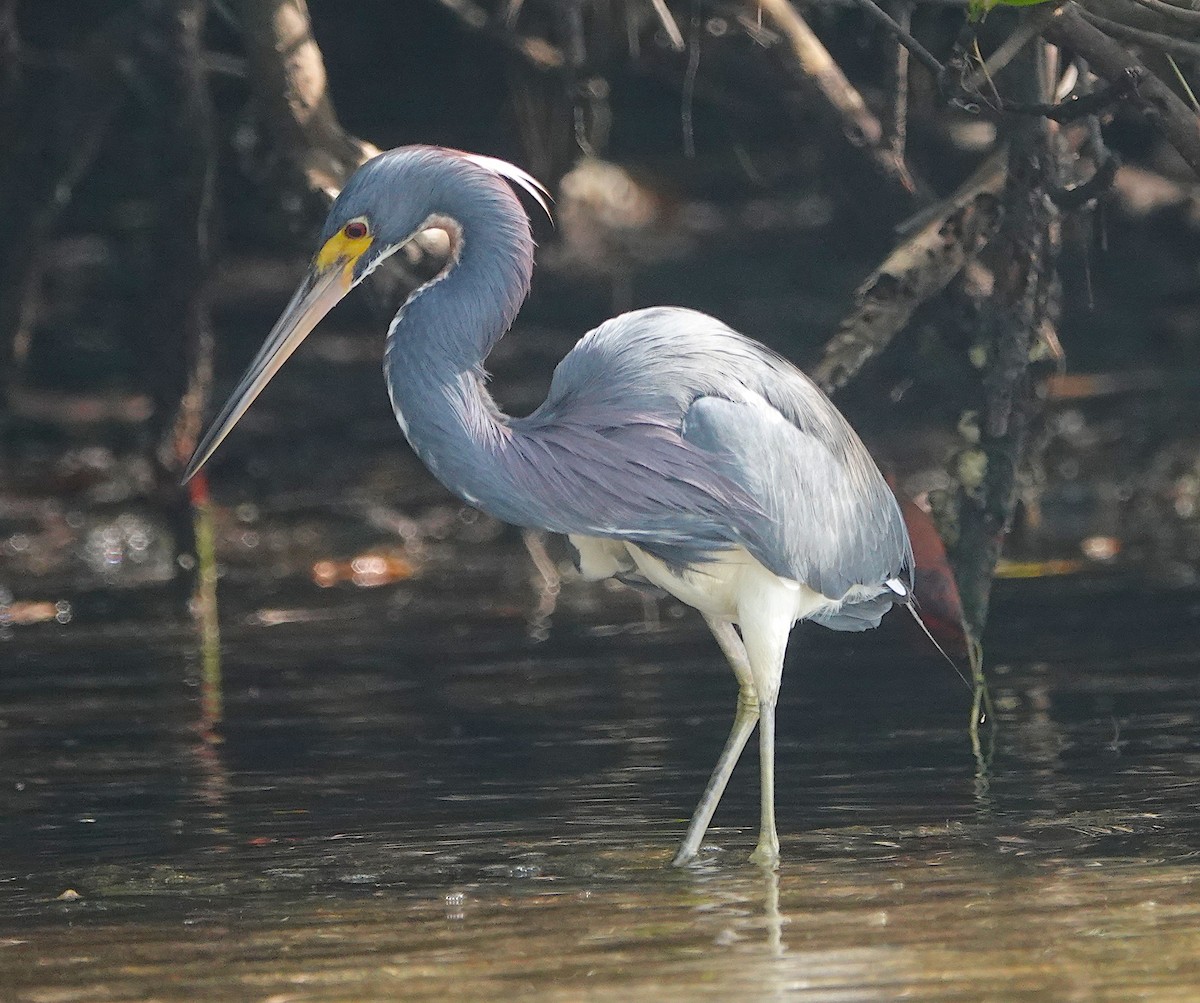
(384, 205)
(399, 194)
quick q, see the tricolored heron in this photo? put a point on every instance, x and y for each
(670, 448)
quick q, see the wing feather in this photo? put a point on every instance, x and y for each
(828, 525)
(666, 428)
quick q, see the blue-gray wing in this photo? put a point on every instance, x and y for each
(667, 428)
(599, 471)
(831, 521)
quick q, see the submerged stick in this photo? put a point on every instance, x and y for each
(204, 603)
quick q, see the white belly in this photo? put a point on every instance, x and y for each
(723, 588)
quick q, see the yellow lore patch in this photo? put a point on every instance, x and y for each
(343, 250)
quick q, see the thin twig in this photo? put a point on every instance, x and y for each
(1170, 10)
(1183, 82)
(513, 11)
(985, 73)
(1111, 61)
(920, 53)
(1094, 148)
(820, 67)
(221, 9)
(1151, 39)
(687, 98)
(895, 124)
(1025, 32)
(668, 23)
(859, 125)
(988, 177)
(1080, 105)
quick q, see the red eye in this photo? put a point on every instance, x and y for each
(355, 230)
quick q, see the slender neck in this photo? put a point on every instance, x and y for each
(456, 318)
(441, 336)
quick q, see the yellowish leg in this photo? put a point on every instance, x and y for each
(743, 724)
(766, 853)
(766, 625)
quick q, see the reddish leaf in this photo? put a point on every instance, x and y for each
(934, 586)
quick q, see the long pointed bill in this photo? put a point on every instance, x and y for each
(317, 295)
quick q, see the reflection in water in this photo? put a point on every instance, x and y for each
(212, 779)
(409, 796)
(212, 786)
(547, 585)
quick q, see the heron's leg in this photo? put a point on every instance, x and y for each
(765, 631)
(767, 850)
(743, 724)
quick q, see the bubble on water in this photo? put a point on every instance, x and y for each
(456, 906)
(129, 548)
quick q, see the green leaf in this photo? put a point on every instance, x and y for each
(977, 10)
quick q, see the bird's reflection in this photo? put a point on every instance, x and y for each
(773, 919)
(547, 583)
(753, 893)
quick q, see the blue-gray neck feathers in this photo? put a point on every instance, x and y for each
(440, 337)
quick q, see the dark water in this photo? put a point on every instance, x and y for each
(405, 797)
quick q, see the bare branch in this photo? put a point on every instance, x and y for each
(1080, 105)
(819, 65)
(916, 270)
(1186, 15)
(859, 124)
(537, 52)
(290, 87)
(1150, 39)
(668, 23)
(895, 123)
(920, 53)
(1111, 61)
(1025, 32)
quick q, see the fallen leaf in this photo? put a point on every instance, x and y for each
(934, 585)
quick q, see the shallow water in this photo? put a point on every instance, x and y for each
(405, 797)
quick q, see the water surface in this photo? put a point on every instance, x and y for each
(406, 797)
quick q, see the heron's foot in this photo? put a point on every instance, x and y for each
(766, 854)
(684, 856)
